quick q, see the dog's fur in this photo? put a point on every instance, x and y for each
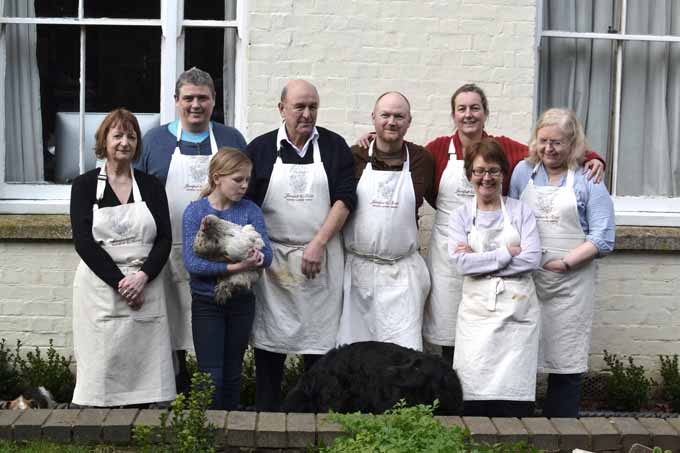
(371, 376)
(221, 240)
(35, 398)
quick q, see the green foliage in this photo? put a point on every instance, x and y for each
(192, 364)
(248, 378)
(670, 372)
(51, 371)
(627, 388)
(294, 368)
(42, 446)
(9, 375)
(405, 430)
(659, 450)
(188, 430)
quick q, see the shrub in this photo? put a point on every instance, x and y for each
(52, 372)
(10, 381)
(627, 388)
(670, 373)
(407, 429)
(189, 430)
(248, 378)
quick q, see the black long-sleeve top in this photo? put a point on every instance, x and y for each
(83, 197)
(335, 155)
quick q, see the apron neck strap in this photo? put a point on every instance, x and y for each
(570, 175)
(101, 185)
(504, 212)
(452, 149)
(211, 135)
(406, 166)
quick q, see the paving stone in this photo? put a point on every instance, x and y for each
(271, 430)
(7, 418)
(241, 429)
(663, 433)
(57, 428)
(449, 421)
(301, 430)
(482, 429)
(632, 432)
(87, 428)
(603, 435)
(219, 420)
(117, 427)
(572, 434)
(326, 430)
(510, 429)
(542, 434)
(675, 423)
(29, 425)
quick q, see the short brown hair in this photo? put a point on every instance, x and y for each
(123, 119)
(470, 88)
(225, 162)
(491, 152)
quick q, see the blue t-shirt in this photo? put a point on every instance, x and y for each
(159, 144)
(594, 204)
(203, 273)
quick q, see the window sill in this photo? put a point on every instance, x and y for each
(58, 227)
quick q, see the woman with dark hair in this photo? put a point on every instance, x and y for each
(575, 219)
(494, 243)
(121, 231)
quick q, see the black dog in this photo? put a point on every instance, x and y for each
(371, 377)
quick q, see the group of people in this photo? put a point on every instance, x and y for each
(506, 289)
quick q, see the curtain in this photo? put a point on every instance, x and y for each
(649, 153)
(577, 73)
(23, 124)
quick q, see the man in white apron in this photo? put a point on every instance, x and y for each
(386, 280)
(178, 153)
(302, 179)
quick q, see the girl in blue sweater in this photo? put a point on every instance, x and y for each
(221, 332)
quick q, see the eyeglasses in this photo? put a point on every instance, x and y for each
(494, 172)
(554, 143)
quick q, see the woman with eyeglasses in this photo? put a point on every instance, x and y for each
(575, 218)
(494, 243)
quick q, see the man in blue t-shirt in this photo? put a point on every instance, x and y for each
(178, 154)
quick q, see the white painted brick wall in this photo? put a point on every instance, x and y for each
(355, 50)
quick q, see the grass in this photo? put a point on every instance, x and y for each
(49, 447)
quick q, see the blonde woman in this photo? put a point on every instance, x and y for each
(221, 332)
(575, 218)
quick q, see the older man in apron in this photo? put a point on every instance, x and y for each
(178, 153)
(302, 179)
(386, 280)
(123, 355)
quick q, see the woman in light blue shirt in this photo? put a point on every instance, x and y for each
(575, 219)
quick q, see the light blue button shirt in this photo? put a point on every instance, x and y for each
(595, 206)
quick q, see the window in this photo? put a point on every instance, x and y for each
(128, 53)
(617, 64)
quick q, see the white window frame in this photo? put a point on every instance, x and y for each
(635, 211)
(47, 198)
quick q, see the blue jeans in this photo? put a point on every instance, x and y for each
(221, 334)
(563, 395)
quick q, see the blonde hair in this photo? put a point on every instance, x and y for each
(566, 120)
(225, 162)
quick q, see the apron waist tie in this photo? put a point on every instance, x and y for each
(378, 259)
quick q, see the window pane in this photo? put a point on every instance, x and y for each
(54, 8)
(653, 17)
(649, 151)
(196, 42)
(131, 9)
(41, 80)
(578, 74)
(579, 15)
(215, 10)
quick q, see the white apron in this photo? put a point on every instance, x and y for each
(187, 175)
(497, 331)
(441, 308)
(294, 314)
(386, 280)
(567, 299)
(123, 356)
